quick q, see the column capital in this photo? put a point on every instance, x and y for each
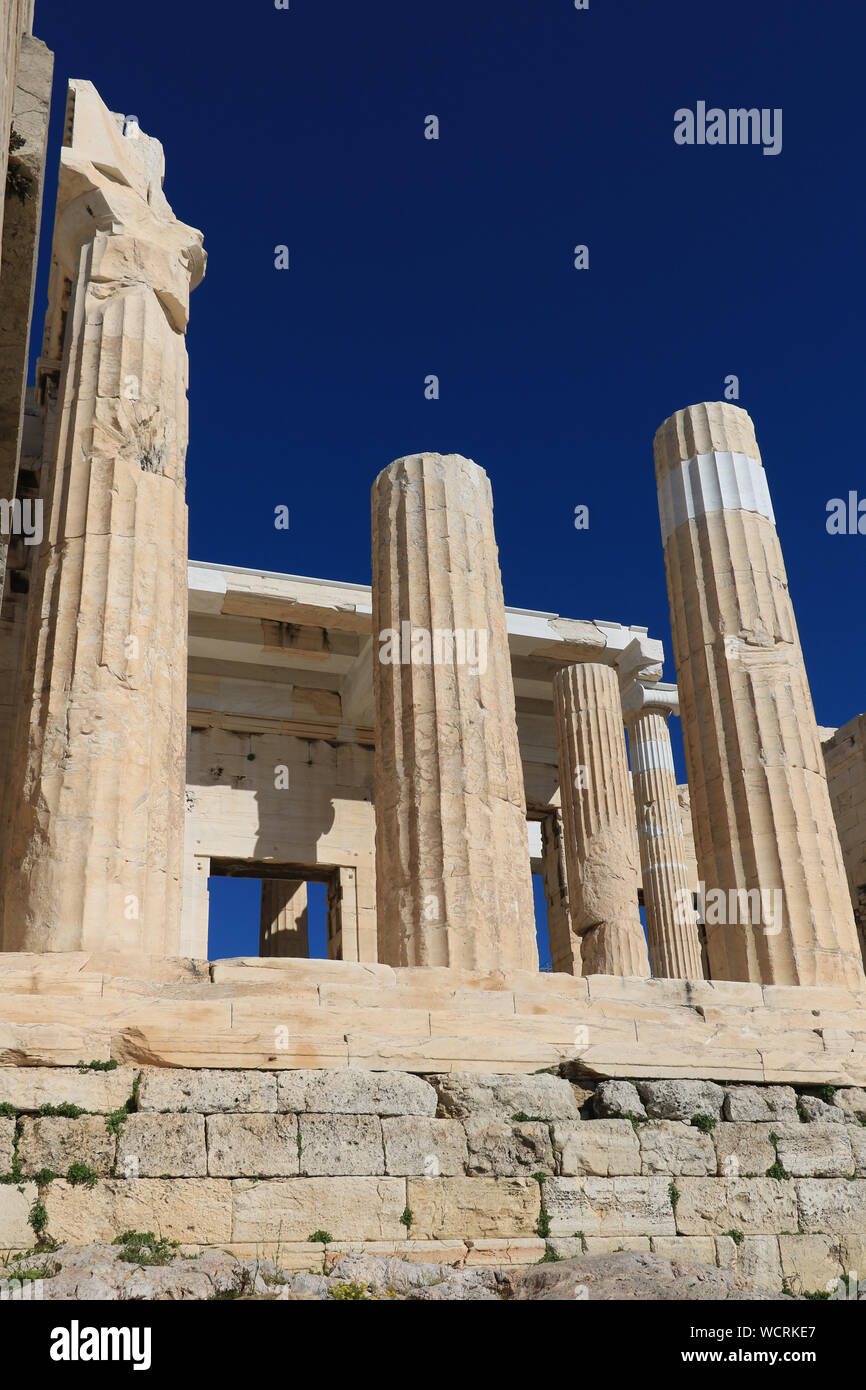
(640, 696)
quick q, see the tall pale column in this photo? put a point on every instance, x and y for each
(598, 817)
(671, 921)
(777, 904)
(283, 930)
(98, 785)
(453, 881)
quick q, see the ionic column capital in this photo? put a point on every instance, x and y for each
(638, 697)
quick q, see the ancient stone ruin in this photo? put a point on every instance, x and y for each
(688, 1083)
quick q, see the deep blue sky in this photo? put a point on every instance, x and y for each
(411, 257)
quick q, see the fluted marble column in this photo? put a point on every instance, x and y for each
(98, 785)
(767, 847)
(598, 816)
(283, 930)
(671, 921)
(453, 881)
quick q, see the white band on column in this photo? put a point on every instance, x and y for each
(713, 483)
(652, 753)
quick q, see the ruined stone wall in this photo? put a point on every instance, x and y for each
(468, 1168)
(318, 812)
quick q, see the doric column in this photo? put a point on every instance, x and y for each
(777, 906)
(97, 816)
(283, 929)
(598, 815)
(671, 921)
(453, 882)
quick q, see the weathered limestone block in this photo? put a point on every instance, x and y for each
(472, 1207)
(15, 1231)
(669, 1146)
(857, 1140)
(671, 921)
(163, 1146)
(504, 1095)
(187, 1210)
(96, 845)
(601, 847)
(755, 1206)
(208, 1091)
(815, 1151)
(354, 1091)
(7, 1145)
(419, 1147)
(852, 1100)
(831, 1206)
(751, 1103)
(616, 1098)
(598, 1149)
(252, 1146)
(348, 1208)
(758, 1259)
(701, 1249)
(760, 803)
(345, 1146)
(810, 1263)
(631, 1206)
(29, 1088)
(609, 1245)
(453, 880)
(817, 1111)
(680, 1100)
(507, 1150)
(55, 1143)
(491, 1250)
(744, 1150)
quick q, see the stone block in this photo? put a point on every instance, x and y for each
(252, 1146)
(857, 1140)
(344, 1146)
(851, 1100)
(810, 1263)
(7, 1144)
(758, 1259)
(295, 1208)
(700, 1249)
(747, 1104)
(831, 1206)
(817, 1111)
(597, 1148)
(355, 1091)
(504, 1095)
(670, 1146)
(755, 1206)
(815, 1151)
(630, 1206)
(99, 1092)
(518, 1250)
(190, 1210)
(473, 1207)
(208, 1091)
(55, 1143)
(497, 1148)
(616, 1098)
(680, 1100)
(744, 1150)
(163, 1146)
(417, 1146)
(16, 1233)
